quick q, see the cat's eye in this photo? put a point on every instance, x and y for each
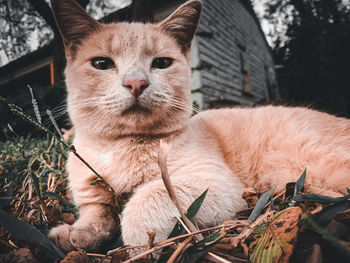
(102, 63)
(162, 63)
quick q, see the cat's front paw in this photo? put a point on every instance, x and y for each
(86, 238)
(60, 235)
(68, 238)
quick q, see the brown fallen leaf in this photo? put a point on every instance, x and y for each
(316, 254)
(277, 242)
(78, 256)
(21, 255)
(251, 196)
(343, 217)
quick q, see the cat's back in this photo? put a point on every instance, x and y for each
(275, 123)
(256, 141)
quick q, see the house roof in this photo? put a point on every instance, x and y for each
(23, 65)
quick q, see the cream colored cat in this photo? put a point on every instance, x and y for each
(128, 87)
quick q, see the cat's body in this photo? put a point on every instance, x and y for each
(121, 111)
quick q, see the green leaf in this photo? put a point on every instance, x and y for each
(35, 105)
(34, 180)
(5, 200)
(29, 233)
(190, 213)
(322, 199)
(325, 216)
(178, 228)
(263, 200)
(276, 244)
(52, 119)
(202, 247)
(260, 229)
(58, 197)
(94, 182)
(194, 207)
(344, 252)
(24, 116)
(300, 183)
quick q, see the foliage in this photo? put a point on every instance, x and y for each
(21, 24)
(311, 40)
(29, 24)
(30, 170)
(31, 234)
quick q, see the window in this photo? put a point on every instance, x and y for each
(244, 70)
(270, 84)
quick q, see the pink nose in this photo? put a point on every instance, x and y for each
(136, 87)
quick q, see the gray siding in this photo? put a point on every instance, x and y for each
(225, 26)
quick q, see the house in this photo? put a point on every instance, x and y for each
(234, 61)
(230, 59)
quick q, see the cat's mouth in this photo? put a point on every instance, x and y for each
(136, 108)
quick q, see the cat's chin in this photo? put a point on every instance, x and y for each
(136, 108)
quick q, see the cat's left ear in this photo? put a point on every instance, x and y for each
(73, 22)
(182, 23)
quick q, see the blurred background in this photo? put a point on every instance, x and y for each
(245, 53)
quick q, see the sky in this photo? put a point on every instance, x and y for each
(265, 25)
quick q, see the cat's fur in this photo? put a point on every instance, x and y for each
(224, 150)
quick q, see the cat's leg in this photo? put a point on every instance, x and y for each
(327, 176)
(97, 222)
(151, 207)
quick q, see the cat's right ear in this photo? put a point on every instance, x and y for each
(182, 23)
(73, 22)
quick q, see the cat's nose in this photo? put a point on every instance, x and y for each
(136, 86)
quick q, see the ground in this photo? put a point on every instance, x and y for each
(288, 226)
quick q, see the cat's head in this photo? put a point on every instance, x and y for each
(127, 78)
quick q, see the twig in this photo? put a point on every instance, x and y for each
(180, 249)
(213, 257)
(151, 236)
(245, 248)
(170, 241)
(162, 163)
(183, 224)
(96, 255)
(250, 228)
(72, 149)
(141, 255)
(232, 258)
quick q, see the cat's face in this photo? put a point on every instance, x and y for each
(126, 78)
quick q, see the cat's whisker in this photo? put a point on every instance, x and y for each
(63, 109)
(179, 104)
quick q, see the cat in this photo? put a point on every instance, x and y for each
(128, 88)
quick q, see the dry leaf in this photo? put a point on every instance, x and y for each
(251, 196)
(76, 257)
(118, 257)
(277, 242)
(21, 255)
(343, 217)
